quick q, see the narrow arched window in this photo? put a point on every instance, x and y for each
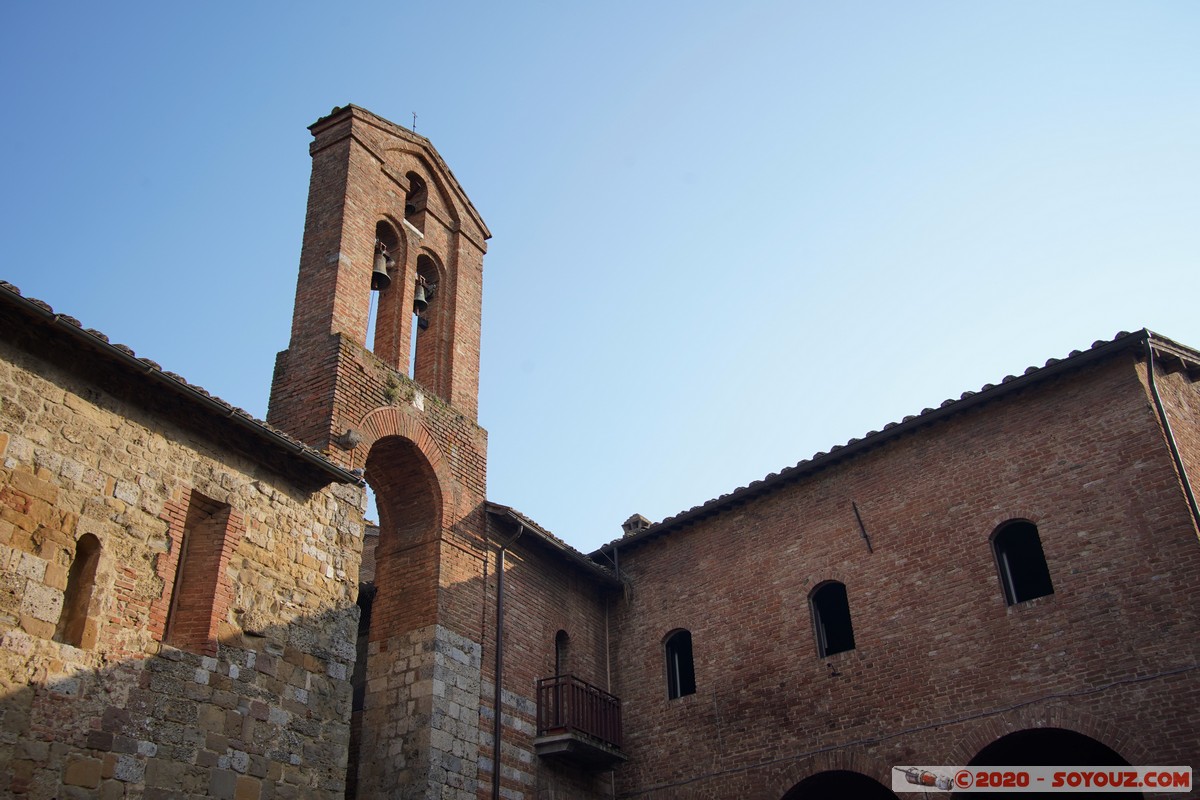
(426, 330)
(1024, 573)
(831, 619)
(415, 201)
(81, 579)
(681, 672)
(562, 643)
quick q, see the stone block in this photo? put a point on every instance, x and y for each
(247, 788)
(130, 769)
(42, 602)
(84, 772)
(112, 790)
(222, 784)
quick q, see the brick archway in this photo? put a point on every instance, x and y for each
(788, 780)
(1078, 721)
(394, 421)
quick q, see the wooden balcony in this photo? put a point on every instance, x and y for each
(578, 723)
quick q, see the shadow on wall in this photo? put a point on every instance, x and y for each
(268, 717)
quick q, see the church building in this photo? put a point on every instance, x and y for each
(193, 604)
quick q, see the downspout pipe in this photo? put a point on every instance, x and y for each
(499, 660)
(1171, 443)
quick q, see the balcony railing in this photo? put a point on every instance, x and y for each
(577, 720)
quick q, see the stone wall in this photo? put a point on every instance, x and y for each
(255, 705)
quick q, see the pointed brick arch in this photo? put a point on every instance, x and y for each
(398, 162)
(394, 421)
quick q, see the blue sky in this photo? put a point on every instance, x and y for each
(724, 238)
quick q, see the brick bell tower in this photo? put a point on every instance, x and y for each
(402, 407)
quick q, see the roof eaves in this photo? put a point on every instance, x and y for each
(1099, 350)
(176, 383)
(556, 544)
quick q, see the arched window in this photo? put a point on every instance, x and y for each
(426, 331)
(681, 673)
(831, 619)
(415, 200)
(1021, 562)
(562, 643)
(81, 579)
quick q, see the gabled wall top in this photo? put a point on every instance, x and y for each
(325, 131)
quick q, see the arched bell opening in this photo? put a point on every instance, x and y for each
(428, 326)
(385, 337)
(839, 783)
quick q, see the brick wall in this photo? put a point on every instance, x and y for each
(361, 165)
(543, 594)
(942, 666)
(257, 700)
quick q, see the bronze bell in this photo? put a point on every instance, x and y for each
(380, 279)
(420, 302)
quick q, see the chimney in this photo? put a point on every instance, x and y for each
(635, 524)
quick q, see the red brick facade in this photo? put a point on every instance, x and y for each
(941, 666)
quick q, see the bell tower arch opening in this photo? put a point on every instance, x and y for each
(382, 334)
(428, 326)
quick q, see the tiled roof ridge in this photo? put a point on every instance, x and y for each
(576, 555)
(309, 453)
(925, 416)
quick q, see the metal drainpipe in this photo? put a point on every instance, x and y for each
(1171, 444)
(499, 661)
(612, 774)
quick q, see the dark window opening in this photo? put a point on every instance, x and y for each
(562, 643)
(415, 201)
(681, 673)
(81, 579)
(1024, 573)
(831, 617)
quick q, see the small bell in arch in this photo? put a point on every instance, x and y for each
(420, 299)
(380, 279)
